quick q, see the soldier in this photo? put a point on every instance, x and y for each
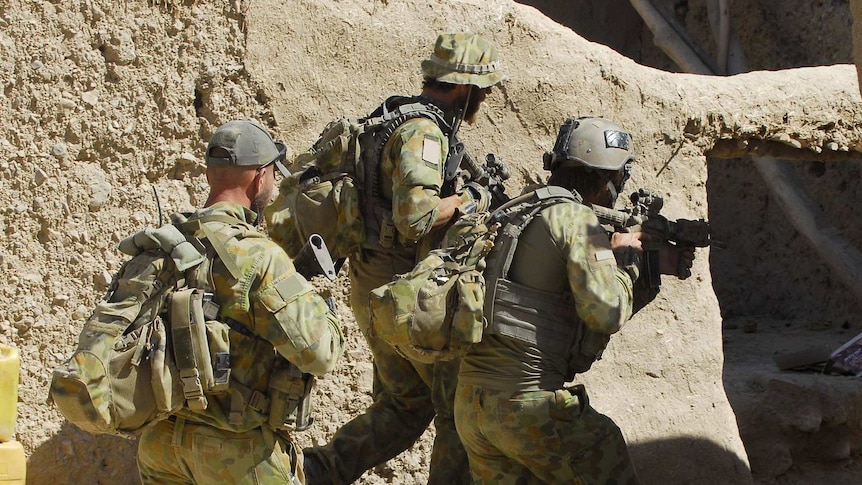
(458, 76)
(277, 320)
(569, 287)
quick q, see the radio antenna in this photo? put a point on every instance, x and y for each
(158, 205)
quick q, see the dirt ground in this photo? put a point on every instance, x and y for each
(103, 101)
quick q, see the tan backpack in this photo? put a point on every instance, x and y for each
(437, 310)
(142, 357)
(334, 190)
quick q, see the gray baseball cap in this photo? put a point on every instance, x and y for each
(245, 143)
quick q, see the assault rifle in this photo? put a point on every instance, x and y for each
(643, 216)
(490, 175)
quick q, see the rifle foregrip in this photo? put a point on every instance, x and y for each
(477, 173)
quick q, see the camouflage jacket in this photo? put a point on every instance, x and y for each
(565, 251)
(411, 168)
(257, 286)
(412, 175)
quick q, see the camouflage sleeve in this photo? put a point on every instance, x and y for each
(602, 290)
(280, 224)
(289, 314)
(417, 153)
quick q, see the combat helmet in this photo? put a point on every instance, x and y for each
(593, 143)
(464, 58)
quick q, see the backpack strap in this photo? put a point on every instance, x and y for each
(515, 216)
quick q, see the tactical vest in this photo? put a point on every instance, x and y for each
(381, 234)
(539, 318)
(336, 191)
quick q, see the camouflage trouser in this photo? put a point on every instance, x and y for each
(407, 396)
(540, 437)
(180, 452)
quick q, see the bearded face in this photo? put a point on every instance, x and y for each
(264, 196)
(476, 98)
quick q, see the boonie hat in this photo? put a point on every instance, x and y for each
(464, 58)
(244, 143)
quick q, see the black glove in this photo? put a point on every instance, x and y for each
(475, 198)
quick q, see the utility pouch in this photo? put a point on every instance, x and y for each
(191, 352)
(290, 399)
(218, 340)
(388, 233)
(201, 345)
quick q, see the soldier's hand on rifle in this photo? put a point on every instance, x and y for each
(621, 241)
(627, 248)
(475, 198)
(675, 260)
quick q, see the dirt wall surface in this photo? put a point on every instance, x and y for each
(102, 101)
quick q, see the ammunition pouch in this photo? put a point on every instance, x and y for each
(201, 348)
(388, 232)
(290, 399)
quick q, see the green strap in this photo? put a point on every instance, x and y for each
(184, 349)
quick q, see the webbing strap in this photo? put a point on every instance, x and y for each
(184, 349)
(515, 216)
(242, 396)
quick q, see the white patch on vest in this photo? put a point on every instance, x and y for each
(604, 254)
(431, 152)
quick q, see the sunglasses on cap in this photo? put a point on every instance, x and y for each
(278, 160)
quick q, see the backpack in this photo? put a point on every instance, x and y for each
(437, 311)
(335, 192)
(122, 374)
(155, 344)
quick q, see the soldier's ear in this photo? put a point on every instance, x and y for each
(258, 181)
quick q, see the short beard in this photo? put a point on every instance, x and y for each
(260, 202)
(471, 112)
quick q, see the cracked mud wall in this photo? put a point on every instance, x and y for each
(102, 101)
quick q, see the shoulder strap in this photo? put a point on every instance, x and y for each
(218, 238)
(514, 217)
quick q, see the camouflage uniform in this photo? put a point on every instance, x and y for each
(257, 286)
(517, 420)
(408, 395)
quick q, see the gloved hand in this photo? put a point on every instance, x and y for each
(474, 198)
(675, 260)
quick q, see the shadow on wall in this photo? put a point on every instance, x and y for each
(74, 456)
(684, 461)
(614, 23)
(768, 268)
